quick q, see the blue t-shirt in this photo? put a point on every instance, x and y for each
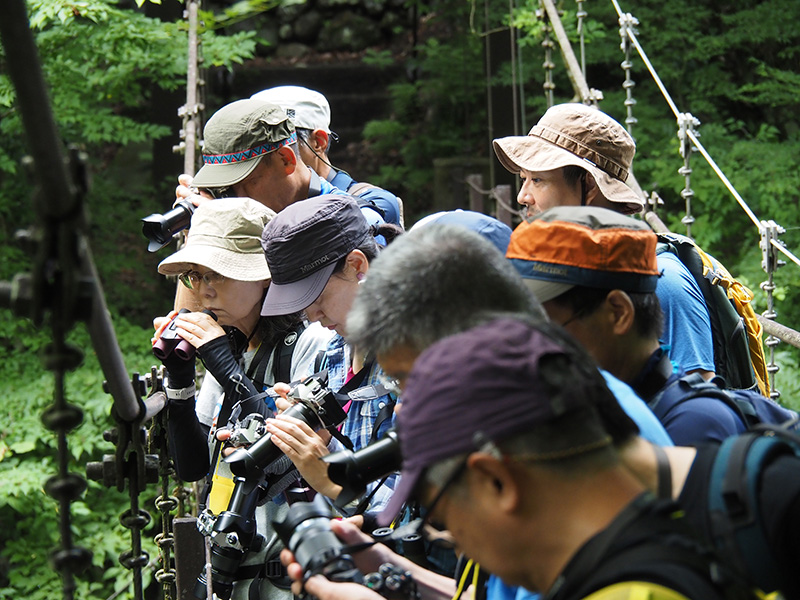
(650, 428)
(687, 326)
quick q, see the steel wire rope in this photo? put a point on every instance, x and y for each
(676, 112)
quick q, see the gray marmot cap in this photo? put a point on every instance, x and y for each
(303, 243)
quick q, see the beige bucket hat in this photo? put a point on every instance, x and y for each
(225, 236)
(580, 135)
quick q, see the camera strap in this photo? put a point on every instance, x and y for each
(354, 390)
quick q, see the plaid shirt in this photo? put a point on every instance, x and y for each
(361, 414)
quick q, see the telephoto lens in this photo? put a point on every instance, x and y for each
(306, 531)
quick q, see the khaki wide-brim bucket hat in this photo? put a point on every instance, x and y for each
(225, 236)
(580, 135)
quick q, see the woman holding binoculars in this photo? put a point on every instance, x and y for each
(223, 268)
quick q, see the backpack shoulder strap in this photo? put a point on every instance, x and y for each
(733, 357)
(737, 528)
(693, 386)
(282, 363)
(359, 188)
(634, 549)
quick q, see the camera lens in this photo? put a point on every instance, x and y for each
(306, 531)
(159, 229)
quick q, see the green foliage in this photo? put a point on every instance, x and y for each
(240, 11)
(28, 459)
(440, 112)
(378, 58)
(102, 64)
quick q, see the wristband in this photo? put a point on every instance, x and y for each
(182, 393)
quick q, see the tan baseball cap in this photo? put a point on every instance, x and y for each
(580, 135)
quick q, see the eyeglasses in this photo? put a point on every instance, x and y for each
(192, 279)
(431, 530)
(217, 193)
(583, 311)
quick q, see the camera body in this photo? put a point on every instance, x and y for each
(315, 405)
(249, 430)
(233, 532)
(159, 229)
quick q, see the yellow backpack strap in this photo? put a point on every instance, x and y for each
(635, 590)
(742, 297)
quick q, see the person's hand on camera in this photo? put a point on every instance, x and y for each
(185, 191)
(367, 561)
(304, 447)
(324, 589)
(282, 401)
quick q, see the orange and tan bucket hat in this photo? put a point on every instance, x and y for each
(586, 246)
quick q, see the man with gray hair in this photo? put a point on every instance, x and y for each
(428, 284)
(440, 280)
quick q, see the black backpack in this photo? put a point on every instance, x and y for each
(752, 408)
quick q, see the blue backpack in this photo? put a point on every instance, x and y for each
(733, 500)
(752, 407)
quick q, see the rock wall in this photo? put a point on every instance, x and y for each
(320, 44)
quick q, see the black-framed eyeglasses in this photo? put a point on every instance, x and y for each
(222, 192)
(431, 530)
(192, 279)
(585, 310)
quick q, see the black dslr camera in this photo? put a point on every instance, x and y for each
(315, 405)
(354, 470)
(306, 532)
(159, 229)
(233, 532)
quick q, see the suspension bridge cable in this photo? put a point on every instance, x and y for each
(724, 179)
(778, 246)
(632, 36)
